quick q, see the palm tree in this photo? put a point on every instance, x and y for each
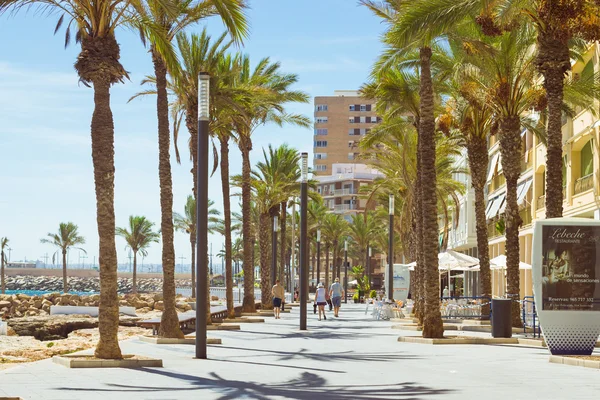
(270, 92)
(3, 247)
(67, 237)
(362, 227)
(187, 223)
(139, 237)
(98, 66)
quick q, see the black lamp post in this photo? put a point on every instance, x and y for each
(318, 257)
(303, 242)
(274, 250)
(346, 271)
(202, 214)
(369, 267)
(390, 282)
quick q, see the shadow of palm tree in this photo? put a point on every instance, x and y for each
(306, 386)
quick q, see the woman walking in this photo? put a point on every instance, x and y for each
(320, 299)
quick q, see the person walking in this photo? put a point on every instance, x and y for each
(278, 294)
(336, 292)
(320, 300)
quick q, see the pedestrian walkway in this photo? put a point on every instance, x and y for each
(353, 357)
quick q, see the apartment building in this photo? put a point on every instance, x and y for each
(340, 188)
(340, 122)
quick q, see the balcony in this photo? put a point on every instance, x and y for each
(526, 218)
(341, 208)
(584, 184)
(540, 202)
(345, 192)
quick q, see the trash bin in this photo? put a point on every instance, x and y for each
(501, 321)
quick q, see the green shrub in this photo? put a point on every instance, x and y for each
(356, 297)
(373, 294)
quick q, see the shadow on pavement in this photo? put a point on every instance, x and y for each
(306, 386)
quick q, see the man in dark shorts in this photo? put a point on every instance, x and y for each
(278, 294)
(336, 292)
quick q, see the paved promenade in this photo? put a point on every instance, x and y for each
(352, 357)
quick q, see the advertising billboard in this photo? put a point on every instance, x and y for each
(570, 267)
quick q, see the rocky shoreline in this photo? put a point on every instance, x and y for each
(87, 284)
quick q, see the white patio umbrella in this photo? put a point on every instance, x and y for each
(452, 261)
(500, 263)
(353, 283)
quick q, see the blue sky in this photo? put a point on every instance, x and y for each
(45, 150)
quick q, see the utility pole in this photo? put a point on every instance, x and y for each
(130, 261)
(9, 251)
(83, 257)
(45, 257)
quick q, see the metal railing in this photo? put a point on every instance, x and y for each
(220, 292)
(529, 316)
(526, 216)
(584, 183)
(469, 307)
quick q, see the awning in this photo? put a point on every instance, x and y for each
(503, 205)
(524, 188)
(524, 132)
(496, 204)
(493, 164)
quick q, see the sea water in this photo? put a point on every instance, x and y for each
(42, 292)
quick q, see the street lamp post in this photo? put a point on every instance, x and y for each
(202, 214)
(318, 257)
(274, 250)
(390, 282)
(369, 266)
(346, 271)
(303, 242)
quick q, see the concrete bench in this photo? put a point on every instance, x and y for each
(87, 310)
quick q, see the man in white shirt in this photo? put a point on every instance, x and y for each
(336, 292)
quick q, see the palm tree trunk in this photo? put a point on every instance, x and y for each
(477, 153)
(432, 323)
(264, 243)
(103, 156)
(553, 61)
(282, 246)
(249, 303)
(134, 286)
(193, 265)
(313, 261)
(169, 322)
(510, 150)
(327, 266)
(224, 161)
(65, 283)
(208, 311)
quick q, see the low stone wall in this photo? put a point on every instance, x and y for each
(84, 273)
(21, 305)
(85, 284)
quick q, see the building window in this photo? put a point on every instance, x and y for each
(321, 107)
(372, 120)
(320, 156)
(321, 131)
(363, 107)
(351, 143)
(321, 120)
(351, 107)
(352, 156)
(320, 143)
(367, 131)
(319, 189)
(320, 168)
(355, 131)
(363, 119)
(351, 120)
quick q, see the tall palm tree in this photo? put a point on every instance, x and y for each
(362, 227)
(187, 223)
(270, 92)
(139, 237)
(171, 18)
(398, 42)
(67, 237)
(3, 246)
(97, 65)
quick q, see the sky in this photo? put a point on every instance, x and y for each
(46, 174)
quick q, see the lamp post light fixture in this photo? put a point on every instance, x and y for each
(318, 257)
(346, 271)
(202, 214)
(303, 242)
(274, 250)
(390, 282)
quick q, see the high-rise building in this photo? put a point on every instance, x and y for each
(341, 121)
